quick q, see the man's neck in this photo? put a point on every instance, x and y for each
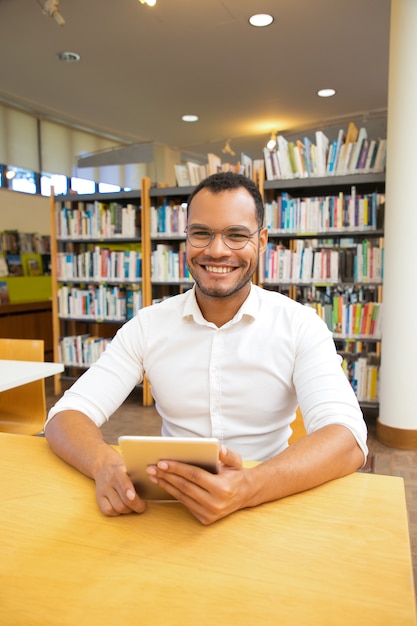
(218, 310)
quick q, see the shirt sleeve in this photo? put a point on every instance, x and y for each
(100, 391)
(324, 393)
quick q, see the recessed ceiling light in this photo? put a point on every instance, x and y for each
(190, 118)
(68, 57)
(261, 19)
(326, 93)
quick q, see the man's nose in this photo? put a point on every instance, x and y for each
(217, 245)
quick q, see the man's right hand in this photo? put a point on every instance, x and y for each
(115, 492)
(77, 440)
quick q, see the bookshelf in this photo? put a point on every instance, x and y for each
(326, 250)
(169, 274)
(349, 299)
(96, 264)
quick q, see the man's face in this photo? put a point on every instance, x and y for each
(218, 270)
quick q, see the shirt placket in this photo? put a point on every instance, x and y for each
(215, 385)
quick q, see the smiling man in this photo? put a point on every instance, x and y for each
(228, 360)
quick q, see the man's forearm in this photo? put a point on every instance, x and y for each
(77, 440)
(329, 453)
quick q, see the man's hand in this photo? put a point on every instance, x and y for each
(115, 492)
(77, 440)
(209, 497)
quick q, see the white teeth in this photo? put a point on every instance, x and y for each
(218, 270)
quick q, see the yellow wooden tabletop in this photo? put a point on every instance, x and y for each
(338, 554)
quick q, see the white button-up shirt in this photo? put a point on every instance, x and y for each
(240, 383)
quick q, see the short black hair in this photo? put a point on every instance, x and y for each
(224, 181)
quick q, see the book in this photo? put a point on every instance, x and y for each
(357, 148)
(322, 143)
(4, 293)
(4, 270)
(379, 164)
(369, 156)
(362, 157)
(247, 165)
(214, 163)
(339, 144)
(14, 264)
(284, 158)
(182, 175)
(34, 267)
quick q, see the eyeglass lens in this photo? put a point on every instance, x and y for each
(234, 238)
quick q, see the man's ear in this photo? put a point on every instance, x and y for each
(263, 240)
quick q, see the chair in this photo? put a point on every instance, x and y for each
(297, 426)
(23, 409)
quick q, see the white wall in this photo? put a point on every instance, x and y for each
(24, 212)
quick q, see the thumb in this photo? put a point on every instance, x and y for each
(230, 458)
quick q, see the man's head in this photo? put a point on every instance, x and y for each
(225, 181)
(225, 235)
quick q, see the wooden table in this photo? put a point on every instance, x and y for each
(338, 554)
(17, 373)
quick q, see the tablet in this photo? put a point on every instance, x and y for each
(139, 452)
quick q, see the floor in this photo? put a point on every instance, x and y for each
(132, 418)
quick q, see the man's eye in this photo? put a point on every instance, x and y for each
(201, 234)
(237, 236)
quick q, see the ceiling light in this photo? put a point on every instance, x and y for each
(190, 118)
(150, 3)
(10, 174)
(326, 93)
(68, 57)
(260, 20)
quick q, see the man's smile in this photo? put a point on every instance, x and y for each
(218, 270)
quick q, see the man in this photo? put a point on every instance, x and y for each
(229, 360)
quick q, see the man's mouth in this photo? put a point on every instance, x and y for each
(218, 270)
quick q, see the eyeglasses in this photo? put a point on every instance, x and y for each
(235, 237)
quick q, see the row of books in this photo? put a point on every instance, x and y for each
(363, 375)
(168, 219)
(352, 152)
(99, 302)
(323, 214)
(361, 319)
(97, 220)
(100, 264)
(350, 293)
(15, 264)
(81, 350)
(16, 242)
(168, 264)
(362, 263)
(190, 174)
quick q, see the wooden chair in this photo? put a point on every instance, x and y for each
(298, 429)
(23, 409)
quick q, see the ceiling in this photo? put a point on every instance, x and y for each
(142, 68)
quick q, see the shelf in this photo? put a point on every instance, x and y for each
(328, 234)
(326, 182)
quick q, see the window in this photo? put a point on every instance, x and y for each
(58, 181)
(81, 185)
(108, 188)
(19, 179)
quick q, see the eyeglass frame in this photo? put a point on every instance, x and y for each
(215, 231)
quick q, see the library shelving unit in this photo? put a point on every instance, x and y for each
(169, 274)
(334, 224)
(326, 250)
(97, 273)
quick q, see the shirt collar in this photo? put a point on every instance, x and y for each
(249, 309)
